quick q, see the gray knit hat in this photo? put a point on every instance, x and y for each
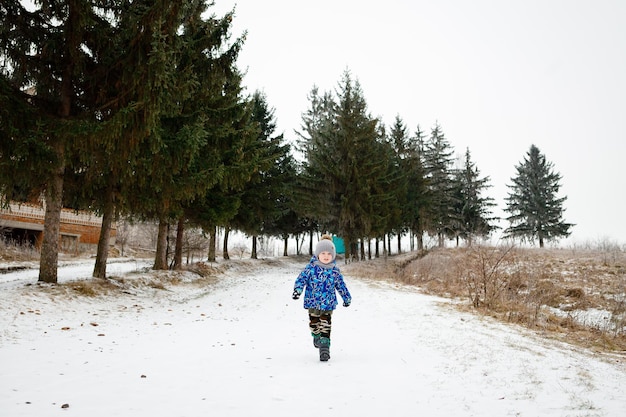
(325, 245)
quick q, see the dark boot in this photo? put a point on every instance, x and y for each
(324, 349)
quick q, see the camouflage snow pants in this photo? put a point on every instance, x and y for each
(320, 322)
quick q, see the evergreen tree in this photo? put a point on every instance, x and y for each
(260, 206)
(348, 159)
(83, 63)
(416, 210)
(235, 134)
(185, 160)
(472, 208)
(386, 193)
(536, 213)
(287, 222)
(41, 57)
(437, 157)
(315, 203)
(399, 214)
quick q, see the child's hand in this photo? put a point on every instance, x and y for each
(295, 295)
(346, 303)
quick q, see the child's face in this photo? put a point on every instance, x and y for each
(325, 257)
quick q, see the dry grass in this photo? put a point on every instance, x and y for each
(10, 252)
(575, 295)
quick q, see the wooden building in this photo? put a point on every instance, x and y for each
(79, 231)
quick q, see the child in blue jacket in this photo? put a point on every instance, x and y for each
(320, 279)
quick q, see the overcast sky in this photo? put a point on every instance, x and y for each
(497, 75)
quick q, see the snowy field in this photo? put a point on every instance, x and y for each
(240, 347)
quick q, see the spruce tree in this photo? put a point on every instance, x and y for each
(400, 140)
(472, 207)
(259, 206)
(287, 222)
(536, 212)
(437, 157)
(352, 165)
(77, 64)
(416, 208)
(184, 159)
(315, 204)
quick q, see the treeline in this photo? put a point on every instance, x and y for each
(137, 110)
(368, 182)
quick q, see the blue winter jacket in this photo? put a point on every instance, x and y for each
(320, 282)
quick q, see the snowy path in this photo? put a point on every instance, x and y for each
(243, 349)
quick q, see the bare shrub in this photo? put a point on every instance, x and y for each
(486, 274)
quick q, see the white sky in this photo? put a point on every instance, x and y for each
(497, 75)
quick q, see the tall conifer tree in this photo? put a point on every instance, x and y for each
(259, 206)
(473, 209)
(437, 157)
(536, 212)
(416, 210)
(78, 71)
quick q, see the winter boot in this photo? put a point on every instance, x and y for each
(316, 340)
(324, 348)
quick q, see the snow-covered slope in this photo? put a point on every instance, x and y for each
(240, 346)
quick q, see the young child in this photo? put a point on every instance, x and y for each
(321, 277)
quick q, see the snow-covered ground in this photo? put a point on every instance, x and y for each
(240, 346)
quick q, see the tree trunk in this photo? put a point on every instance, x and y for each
(102, 254)
(253, 254)
(399, 244)
(49, 258)
(350, 245)
(311, 243)
(178, 251)
(160, 259)
(225, 249)
(212, 244)
(420, 240)
(384, 247)
(286, 240)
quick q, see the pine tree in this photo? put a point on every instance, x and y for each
(399, 140)
(318, 122)
(186, 159)
(437, 159)
(417, 192)
(472, 208)
(259, 199)
(81, 64)
(287, 222)
(536, 213)
(351, 169)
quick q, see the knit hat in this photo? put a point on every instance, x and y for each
(325, 245)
